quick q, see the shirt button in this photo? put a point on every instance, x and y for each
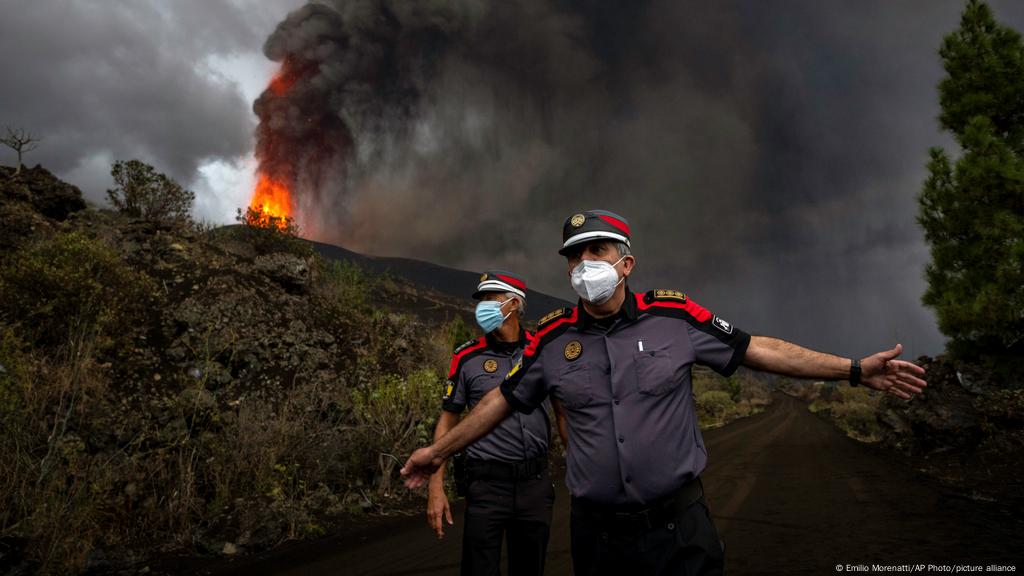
(607, 370)
(616, 401)
(621, 439)
(628, 479)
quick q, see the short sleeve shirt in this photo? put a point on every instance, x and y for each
(478, 367)
(626, 389)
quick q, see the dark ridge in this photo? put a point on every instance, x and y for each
(451, 281)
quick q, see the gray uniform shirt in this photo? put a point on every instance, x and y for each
(625, 385)
(478, 367)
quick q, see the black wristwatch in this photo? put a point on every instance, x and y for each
(854, 372)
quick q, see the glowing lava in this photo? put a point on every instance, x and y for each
(271, 203)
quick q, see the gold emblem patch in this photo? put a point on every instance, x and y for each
(670, 295)
(554, 314)
(448, 390)
(490, 366)
(577, 220)
(573, 350)
(483, 277)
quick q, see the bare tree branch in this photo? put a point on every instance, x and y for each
(21, 141)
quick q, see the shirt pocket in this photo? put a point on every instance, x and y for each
(655, 372)
(479, 386)
(575, 390)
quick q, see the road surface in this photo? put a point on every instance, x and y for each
(789, 494)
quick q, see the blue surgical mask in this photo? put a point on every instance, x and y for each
(489, 316)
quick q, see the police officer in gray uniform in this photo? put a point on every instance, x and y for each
(509, 494)
(620, 364)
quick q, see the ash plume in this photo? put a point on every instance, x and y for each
(753, 146)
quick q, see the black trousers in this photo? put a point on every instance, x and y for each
(681, 541)
(516, 510)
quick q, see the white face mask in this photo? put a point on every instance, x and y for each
(595, 280)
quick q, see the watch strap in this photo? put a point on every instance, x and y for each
(854, 372)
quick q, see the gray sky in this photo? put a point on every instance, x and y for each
(767, 155)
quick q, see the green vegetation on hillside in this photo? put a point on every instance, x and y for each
(172, 388)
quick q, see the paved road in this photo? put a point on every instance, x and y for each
(789, 493)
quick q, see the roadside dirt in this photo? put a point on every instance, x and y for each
(789, 493)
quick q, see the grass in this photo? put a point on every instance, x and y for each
(854, 410)
(722, 400)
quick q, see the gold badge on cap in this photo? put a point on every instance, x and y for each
(573, 350)
(483, 277)
(490, 366)
(577, 220)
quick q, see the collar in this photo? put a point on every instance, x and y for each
(628, 312)
(506, 347)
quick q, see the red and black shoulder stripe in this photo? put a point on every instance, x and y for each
(675, 304)
(464, 352)
(671, 303)
(549, 327)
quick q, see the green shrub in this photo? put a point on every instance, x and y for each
(144, 193)
(345, 284)
(395, 416)
(69, 284)
(858, 419)
(715, 407)
(854, 410)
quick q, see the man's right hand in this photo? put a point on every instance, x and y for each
(420, 467)
(438, 510)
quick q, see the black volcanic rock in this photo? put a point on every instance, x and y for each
(49, 195)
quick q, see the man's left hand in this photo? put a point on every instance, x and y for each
(897, 377)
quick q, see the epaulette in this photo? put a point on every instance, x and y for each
(552, 316)
(464, 345)
(464, 351)
(664, 295)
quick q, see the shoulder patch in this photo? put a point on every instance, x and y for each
(552, 316)
(464, 345)
(665, 295)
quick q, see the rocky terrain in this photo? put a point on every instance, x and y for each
(170, 388)
(966, 429)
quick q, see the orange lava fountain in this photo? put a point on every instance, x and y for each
(272, 201)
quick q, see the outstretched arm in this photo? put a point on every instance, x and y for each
(879, 371)
(488, 413)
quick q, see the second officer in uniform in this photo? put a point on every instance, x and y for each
(509, 494)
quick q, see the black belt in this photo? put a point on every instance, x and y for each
(653, 514)
(496, 470)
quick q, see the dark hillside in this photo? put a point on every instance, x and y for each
(443, 279)
(169, 388)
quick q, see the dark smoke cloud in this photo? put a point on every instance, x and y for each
(100, 81)
(768, 155)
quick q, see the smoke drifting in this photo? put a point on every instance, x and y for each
(767, 155)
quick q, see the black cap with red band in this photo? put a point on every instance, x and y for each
(500, 281)
(593, 225)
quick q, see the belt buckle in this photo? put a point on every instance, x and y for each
(638, 519)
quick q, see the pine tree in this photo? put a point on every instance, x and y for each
(972, 209)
